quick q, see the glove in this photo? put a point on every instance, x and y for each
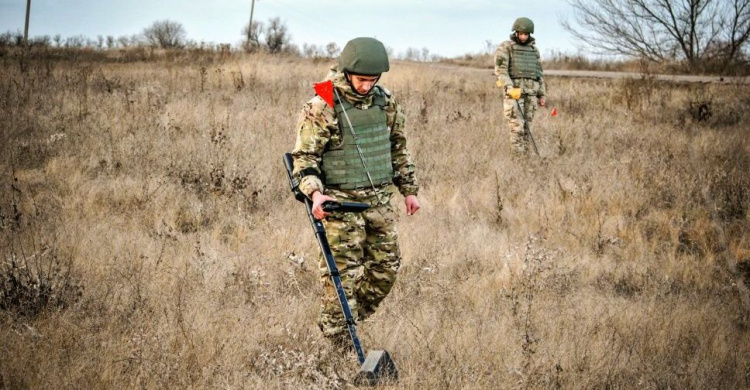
(514, 93)
(499, 83)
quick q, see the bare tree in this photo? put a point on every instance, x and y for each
(411, 54)
(41, 41)
(332, 49)
(663, 30)
(425, 54)
(277, 37)
(76, 41)
(489, 47)
(123, 41)
(166, 34)
(6, 39)
(252, 36)
(390, 51)
(311, 50)
(734, 28)
(18, 38)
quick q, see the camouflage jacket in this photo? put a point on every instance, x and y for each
(502, 59)
(318, 127)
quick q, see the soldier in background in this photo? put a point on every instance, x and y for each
(329, 166)
(519, 73)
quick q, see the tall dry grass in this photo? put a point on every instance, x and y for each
(149, 238)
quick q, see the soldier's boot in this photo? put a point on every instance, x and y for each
(520, 151)
(519, 139)
(519, 145)
(332, 323)
(743, 267)
(342, 343)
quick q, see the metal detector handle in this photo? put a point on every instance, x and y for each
(344, 207)
(320, 234)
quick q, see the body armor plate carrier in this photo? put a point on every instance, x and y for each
(524, 63)
(343, 166)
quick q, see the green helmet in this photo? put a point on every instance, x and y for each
(365, 56)
(523, 25)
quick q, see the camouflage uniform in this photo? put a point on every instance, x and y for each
(532, 90)
(365, 246)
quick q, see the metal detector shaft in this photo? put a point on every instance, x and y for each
(320, 234)
(527, 127)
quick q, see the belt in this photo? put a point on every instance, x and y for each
(362, 187)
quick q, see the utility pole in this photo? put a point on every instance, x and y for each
(252, 38)
(26, 28)
(252, 10)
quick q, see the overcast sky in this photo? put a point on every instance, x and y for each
(447, 28)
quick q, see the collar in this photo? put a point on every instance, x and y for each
(346, 91)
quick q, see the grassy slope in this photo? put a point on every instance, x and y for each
(161, 185)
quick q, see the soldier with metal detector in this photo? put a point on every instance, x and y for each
(519, 73)
(378, 367)
(351, 146)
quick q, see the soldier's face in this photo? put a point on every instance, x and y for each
(363, 84)
(522, 36)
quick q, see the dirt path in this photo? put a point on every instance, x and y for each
(620, 75)
(664, 77)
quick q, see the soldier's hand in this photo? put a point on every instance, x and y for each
(542, 102)
(412, 204)
(317, 208)
(514, 93)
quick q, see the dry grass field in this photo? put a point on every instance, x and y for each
(148, 238)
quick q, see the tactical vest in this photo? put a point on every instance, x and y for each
(343, 166)
(524, 63)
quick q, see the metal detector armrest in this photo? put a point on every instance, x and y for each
(293, 182)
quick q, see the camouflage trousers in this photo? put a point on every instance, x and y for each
(365, 248)
(519, 137)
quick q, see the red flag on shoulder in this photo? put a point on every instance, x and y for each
(325, 90)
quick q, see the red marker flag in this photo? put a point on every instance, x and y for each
(554, 111)
(325, 90)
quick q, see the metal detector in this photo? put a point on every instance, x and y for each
(378, 366)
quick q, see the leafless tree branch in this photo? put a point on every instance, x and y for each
(692, 31)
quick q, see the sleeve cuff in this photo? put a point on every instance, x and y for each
(310, 184)
(409, 191)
